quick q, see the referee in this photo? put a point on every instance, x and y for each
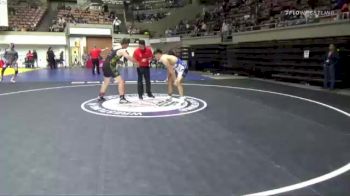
(143, 55)
(95, 59)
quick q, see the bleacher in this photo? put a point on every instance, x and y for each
(157, 4)
(205, 57)
(254, 15)
(282, 60)
(89, 17)
(114, 2)
(153, 10)
(24, 16)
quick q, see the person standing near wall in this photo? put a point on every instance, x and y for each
(85, 58)
(143, 55)
(35, 58)
(10, 57)
(330, 67)
(61, 59)
(30, 59)
(95, 54)
(224, 31)
(51, 58)
(116, 25)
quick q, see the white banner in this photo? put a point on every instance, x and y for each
(173, 39)
(165, 40)
(4, 21)
(154, 41)
(89, 31)
(31, 38)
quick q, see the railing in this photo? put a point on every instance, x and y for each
(196, 34)
(158, 4)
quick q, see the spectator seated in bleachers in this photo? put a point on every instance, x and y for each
(149, 17)
(248, 15)
(153, 10)
(344, 11)
(157, 4)
(82, 16)
(111, 15)
(132, 30)
(225, 28)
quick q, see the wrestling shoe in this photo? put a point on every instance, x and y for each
(101, 99)
(123, 101)
(169, 98)
(150, 95)
(182, 99)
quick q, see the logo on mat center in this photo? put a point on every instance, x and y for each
(159, 106)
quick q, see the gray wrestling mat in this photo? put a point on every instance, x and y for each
(222, 141)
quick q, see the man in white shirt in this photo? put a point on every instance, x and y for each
(224, 28)
(116, 25)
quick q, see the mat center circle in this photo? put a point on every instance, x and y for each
(159, 106)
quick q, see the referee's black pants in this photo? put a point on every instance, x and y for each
(143, 72)
(95, 65)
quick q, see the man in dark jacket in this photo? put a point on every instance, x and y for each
(329, 67)
(35, 58)
(51, 58)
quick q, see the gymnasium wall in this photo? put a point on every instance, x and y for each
(82, 39)
(40, 49)
(33, 38)
(40, 41)
(100, 42)
(188, 41)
